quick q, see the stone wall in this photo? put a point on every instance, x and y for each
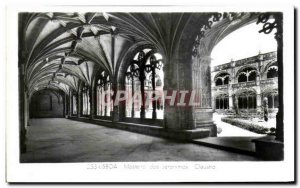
(46, 105)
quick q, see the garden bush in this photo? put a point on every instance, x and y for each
(251, 126)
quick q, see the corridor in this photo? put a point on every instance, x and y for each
(63, 140)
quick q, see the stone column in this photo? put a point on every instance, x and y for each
(105, 98)
(118, 110)
(113, 85)
(213, 100)
(153, 95)
(273, 101)
(258, 99)
(230, 97)
(92, 102)
(142, 81)
(65, 105)
(176, 79)
(79, 104)
(192, 74)
(258, 93)
(70, 104)
(280, 113)
(132, 95)
(230, 88)
(203, 114)
(213, 104)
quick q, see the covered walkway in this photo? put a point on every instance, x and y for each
(63, 140)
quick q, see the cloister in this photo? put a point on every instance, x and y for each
(250, 79)
(68, 62)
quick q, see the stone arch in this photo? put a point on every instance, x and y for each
(216, 36)
(267, 67)
(272, 72)
(269, 89)
(211, 37)
(47, 103)
(184, 51)
(247, 98)
(273, 63)
(52, 89)
(224, 79)
(221, 72)
(218, 93)
(271, 94)
(128, 56)
(57, 93)
(195, 67)
(221, 100)
(119, 79)
(241, 69)
(244, 90)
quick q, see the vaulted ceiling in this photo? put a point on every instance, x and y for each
(57, 50)
(60, 50)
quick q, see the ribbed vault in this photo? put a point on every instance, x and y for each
(59, 50)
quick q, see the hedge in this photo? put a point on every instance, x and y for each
(251, 126)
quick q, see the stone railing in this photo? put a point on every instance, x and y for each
(249, 60)
(271, 55)
(221, 87)
(269, 81)
(244, 84)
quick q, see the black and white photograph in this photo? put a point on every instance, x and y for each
(189, 91)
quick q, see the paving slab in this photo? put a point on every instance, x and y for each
(59, 140)
(235, 144)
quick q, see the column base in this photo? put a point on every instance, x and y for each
(279, 127)
(268, 148)
(143, 114)
(154, 116)
(203, 119)
(188, 135)
(212, 127)
(258, 109)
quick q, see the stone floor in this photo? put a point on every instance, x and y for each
(63, 140)
(238, 144)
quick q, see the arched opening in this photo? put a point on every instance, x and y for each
(73, 104)
(242, 77)
(244, 54)
(104, 103)
(222, 102)
(46, 103)
(247, 100)
(133, 85)
(247, 75)
(85, 100)
(144, 85)
(272, 96)
(222, 79)
(272, 72)
(219, 82)
(226, 80)
(252, 76)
